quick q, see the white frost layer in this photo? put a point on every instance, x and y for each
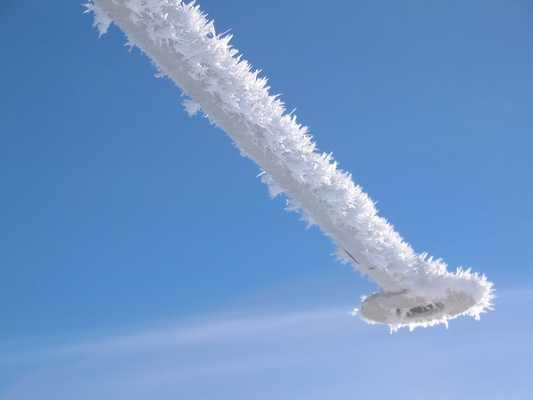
(184, 45)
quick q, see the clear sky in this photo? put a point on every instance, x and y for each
(141, 258)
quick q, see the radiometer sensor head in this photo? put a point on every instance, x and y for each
(412, 310)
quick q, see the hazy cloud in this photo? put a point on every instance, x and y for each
(313, 354)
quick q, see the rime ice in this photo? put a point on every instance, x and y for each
(415, 290)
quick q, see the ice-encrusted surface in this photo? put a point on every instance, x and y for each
(184, 45)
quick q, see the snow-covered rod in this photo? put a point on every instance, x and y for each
(415, 290)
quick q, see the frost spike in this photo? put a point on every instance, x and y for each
(415, 290)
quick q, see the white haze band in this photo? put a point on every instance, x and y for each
(415, 290)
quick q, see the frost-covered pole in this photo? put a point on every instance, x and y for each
(415, 290)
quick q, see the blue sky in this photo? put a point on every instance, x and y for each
(141, 258)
